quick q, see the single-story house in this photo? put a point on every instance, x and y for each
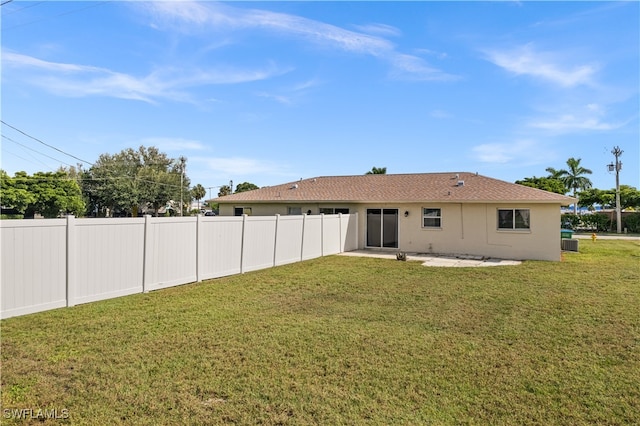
(442, 213)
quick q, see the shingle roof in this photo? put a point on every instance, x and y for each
(436, 187)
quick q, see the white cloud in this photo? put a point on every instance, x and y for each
(215, 17)
(174, 144)
(591, 116)
(569, 122)
(415, 68)
(520, 152)
(379, 29)
(73, 80)
(440, 114)
(543, 65)
(285, 100)
(239, 166)
(439, 55)
(291, 95)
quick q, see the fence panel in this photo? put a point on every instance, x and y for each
(170, 257)
(312, 238)
(109, 258)
(33, 266)
(289, 240)
(331, 238)
(220, 242)
(47, 264)
(258, 243)
(349, 231)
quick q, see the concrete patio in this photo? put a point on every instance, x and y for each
(436, 260)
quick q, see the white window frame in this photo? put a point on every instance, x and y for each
(525, 220)
(437, 218)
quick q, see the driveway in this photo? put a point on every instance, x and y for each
(607, 237)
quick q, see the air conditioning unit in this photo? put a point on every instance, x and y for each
(569, 244)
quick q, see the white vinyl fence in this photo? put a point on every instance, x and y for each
(52, 263)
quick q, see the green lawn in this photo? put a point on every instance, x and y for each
(345, 340)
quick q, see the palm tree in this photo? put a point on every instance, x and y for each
(573, 178)
(198, 192)
(554, 173)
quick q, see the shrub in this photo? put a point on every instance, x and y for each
(570, 221)
(596, 222)
(632, 222)
(11, 216)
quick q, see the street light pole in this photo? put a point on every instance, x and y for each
(617, 152)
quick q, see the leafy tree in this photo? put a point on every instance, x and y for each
(134, 179)
(47, 193)
(14, 192)
(545, 183)
(245, 186)
(573, 178)
(198, 192)
(592, 196)
(224, 190)
(377, 171)
(629, 197)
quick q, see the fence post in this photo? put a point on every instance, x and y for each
(304, 220)
(72, 279)
(242, 243)
(146, 257)
(341, 249)
(321, 234)
(357, 228)
(275, 240)
(199, 242)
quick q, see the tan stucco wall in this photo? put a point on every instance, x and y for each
(466, 228)
(472, 229)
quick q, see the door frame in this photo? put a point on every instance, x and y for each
(380, 234)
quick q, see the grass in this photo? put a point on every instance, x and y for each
(344, 340)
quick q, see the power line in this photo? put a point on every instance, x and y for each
(6, 151)
(22, 8)
(22, 158)
(55, 16)
(134, 178)
(36, 151)
(46, 144)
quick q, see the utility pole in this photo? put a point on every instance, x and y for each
(182, 162)
(617, 152)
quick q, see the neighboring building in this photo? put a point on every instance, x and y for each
(443, 213)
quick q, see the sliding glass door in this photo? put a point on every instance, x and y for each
(382, 228)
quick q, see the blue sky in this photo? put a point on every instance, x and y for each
(271, 92)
